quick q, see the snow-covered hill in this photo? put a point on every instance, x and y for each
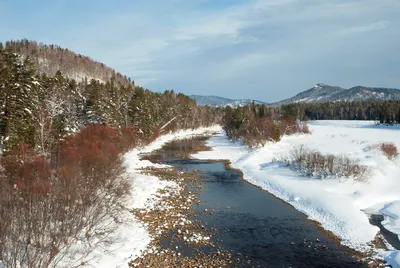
(221, 102)
(319, 93)
(326, 93)
(49, 59)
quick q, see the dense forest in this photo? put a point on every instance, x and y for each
(384, 112)
(61, 146)
(37, 108)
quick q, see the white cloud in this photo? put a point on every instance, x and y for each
(276, 47)
(376, 26)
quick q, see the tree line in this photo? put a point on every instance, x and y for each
(384, 112)
(39, 109)
(257, 124)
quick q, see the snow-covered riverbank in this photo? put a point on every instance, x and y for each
(339, 204)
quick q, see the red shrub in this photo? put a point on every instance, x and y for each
(50, 207)
(36, 168)
(27, 170)
(41, 187)
(93, 146)
(156, 133)
(128, 138)
(389, 149)
(15, 159)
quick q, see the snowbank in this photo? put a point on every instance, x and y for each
(132, 234)
(393, 258)
(391, 212)
(338, 204)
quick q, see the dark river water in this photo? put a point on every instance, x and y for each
(252, 222)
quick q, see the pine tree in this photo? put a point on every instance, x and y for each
(18, 98)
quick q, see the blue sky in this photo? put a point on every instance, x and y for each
(266, 50)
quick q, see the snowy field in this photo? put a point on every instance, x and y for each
(132, 234)
(341, 205)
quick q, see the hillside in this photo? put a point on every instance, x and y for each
(216, 101)
(62, 179)
(49, 59)
(327, 93)
(39, 109)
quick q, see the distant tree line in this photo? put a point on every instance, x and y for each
(257, 124)
(386, 112)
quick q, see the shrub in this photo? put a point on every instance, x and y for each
(290, 126)
(254, 130)
(128, 138)
(44, 208)
(389, 150)
(314, 164)
(27, 205)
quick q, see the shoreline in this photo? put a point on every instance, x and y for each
(337, 204)
(360, 256)
(357, 255)
(173, 220)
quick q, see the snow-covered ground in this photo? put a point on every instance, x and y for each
(132, 234)
(341, 205)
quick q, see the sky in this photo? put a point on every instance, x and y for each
(266, 50)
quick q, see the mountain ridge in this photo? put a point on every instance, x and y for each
(52, 58)
(327, 93)
(216, 101)
(319, 93)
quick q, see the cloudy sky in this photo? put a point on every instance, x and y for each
(261, 49)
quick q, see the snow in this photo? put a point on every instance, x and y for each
(133, 237)
(391, 213)
(393, 259)
(304, 100)
(341, 205)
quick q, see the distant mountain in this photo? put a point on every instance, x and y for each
(319, 93)
(216, 101)
(325, 93)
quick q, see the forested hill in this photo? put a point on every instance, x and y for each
(39, 109)
(49, 59)
(61, 141)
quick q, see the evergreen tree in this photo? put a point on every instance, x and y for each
(18, 96)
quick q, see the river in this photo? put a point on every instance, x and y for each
(250, 222)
